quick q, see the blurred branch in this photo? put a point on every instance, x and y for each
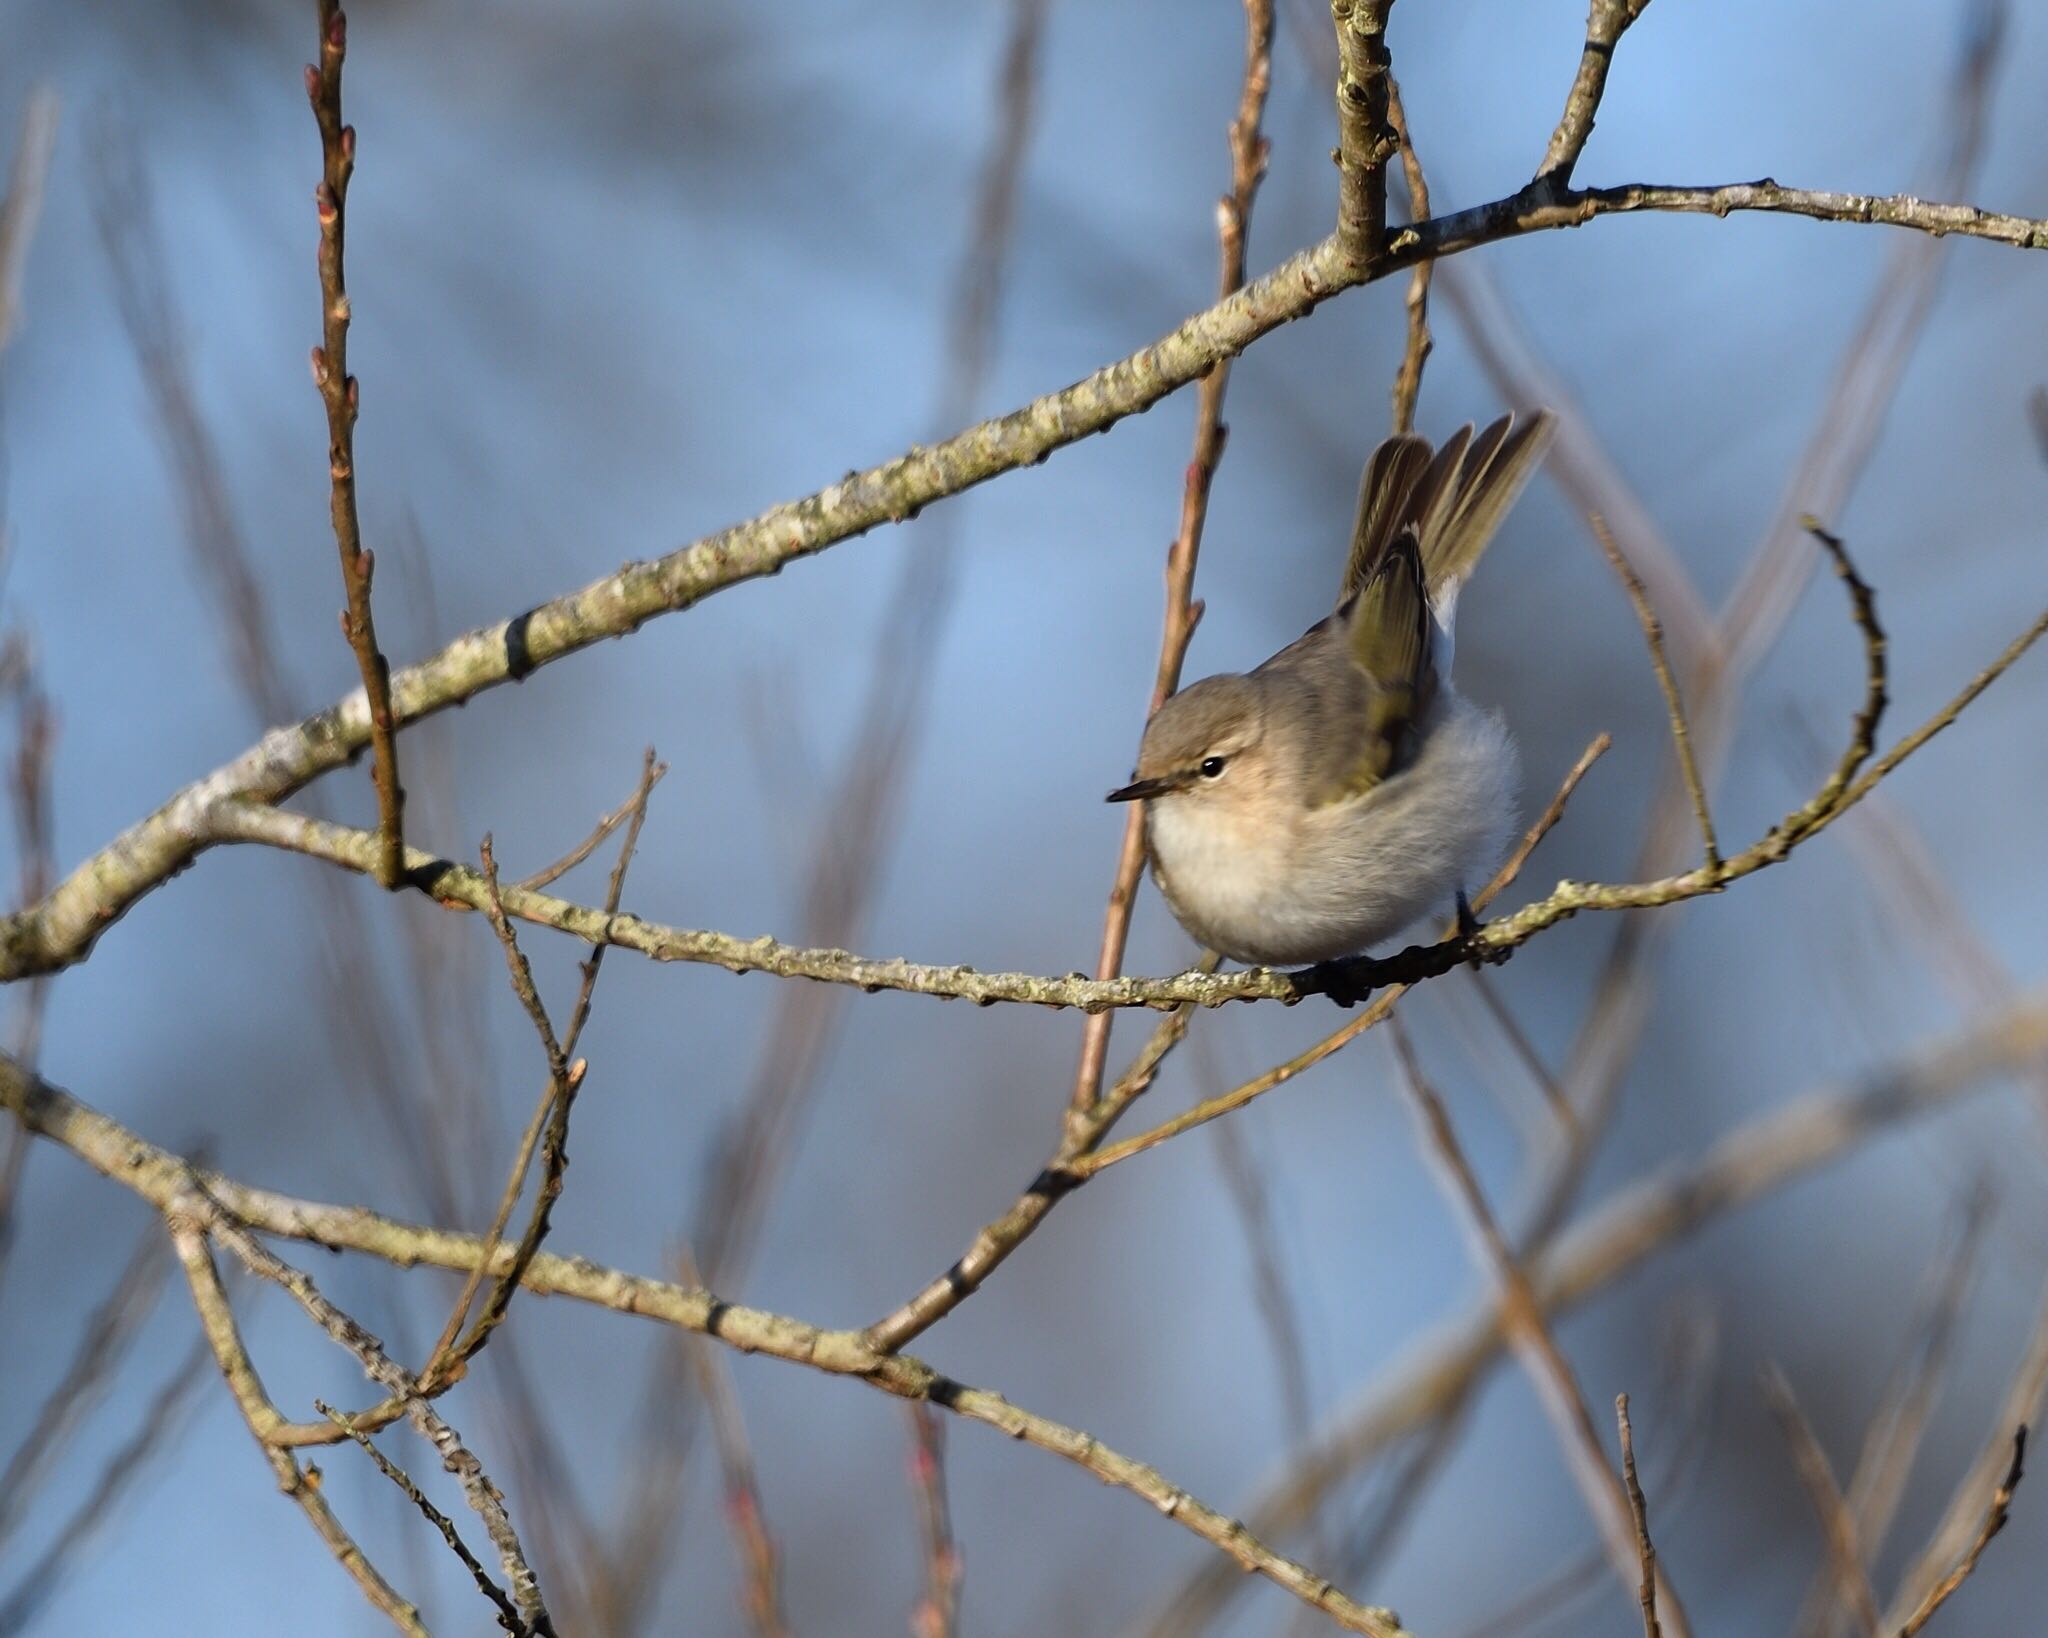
(1837, 1527)
(108, 1336)
(60, 929)
(1248, 155)
(338, 392)
(1606, 1496)
(23, 202)
(853, 828)
(1958, 1539)
(1893, 1439)
(34, 830)
(1638, 1511)
(163, 1419)
(762, 1600)
(1440, 1370)
(1994, 1521)
(938, 1614)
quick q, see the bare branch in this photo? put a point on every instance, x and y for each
(1994, 1521)
(508, 1616)
(1408, 379)
(60, 929)
(1674, 703)
(217, 1320)
(1365, 141)
(1248, 152)
(762, 1600)
(1606, 22)
(338, 391)
(1645, 1552)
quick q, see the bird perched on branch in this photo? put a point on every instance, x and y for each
(1344, 789)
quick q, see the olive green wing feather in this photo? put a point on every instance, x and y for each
(1387, 639)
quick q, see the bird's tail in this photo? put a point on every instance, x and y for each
(1453, 499)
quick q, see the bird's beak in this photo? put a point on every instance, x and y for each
(1140, 790)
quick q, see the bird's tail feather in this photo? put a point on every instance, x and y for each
(1453, 498)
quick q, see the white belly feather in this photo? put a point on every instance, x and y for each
(1333, 881)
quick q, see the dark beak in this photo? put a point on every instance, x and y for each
(1140, 790)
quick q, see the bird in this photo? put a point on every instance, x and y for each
(1318, 805)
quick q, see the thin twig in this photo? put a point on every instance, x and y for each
(1639, 1511)
(199, 1207)
(1994, 1521)
(217, 1320)
(550, 874)
(1408, 379)
(1674, 703)
(1248, 155)
(338, 391)
(1892, 1441)
(1837, 1527)
(60, 929)
(508, 1616)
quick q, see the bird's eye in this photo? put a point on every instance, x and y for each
(1212, 767)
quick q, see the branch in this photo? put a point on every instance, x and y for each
(938, 1614)
(217, 1320)
(223, 1206)
(23, 201)
(339, 393)
(1606, 22)
(1248, 150)
(60, 929)
(196, 1205)
(1994, 1521)
(1408, 379)
(508, 1614)
(1667, 684)
(1365, 141)
(1645, 1552)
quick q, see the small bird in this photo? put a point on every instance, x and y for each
(1344, 789)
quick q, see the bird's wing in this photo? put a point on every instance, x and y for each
(1380, 676)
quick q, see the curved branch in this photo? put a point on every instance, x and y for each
(59, 930)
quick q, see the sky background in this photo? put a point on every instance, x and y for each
(626, 272)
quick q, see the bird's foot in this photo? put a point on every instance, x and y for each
(1347, 981)
(1468, 920)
